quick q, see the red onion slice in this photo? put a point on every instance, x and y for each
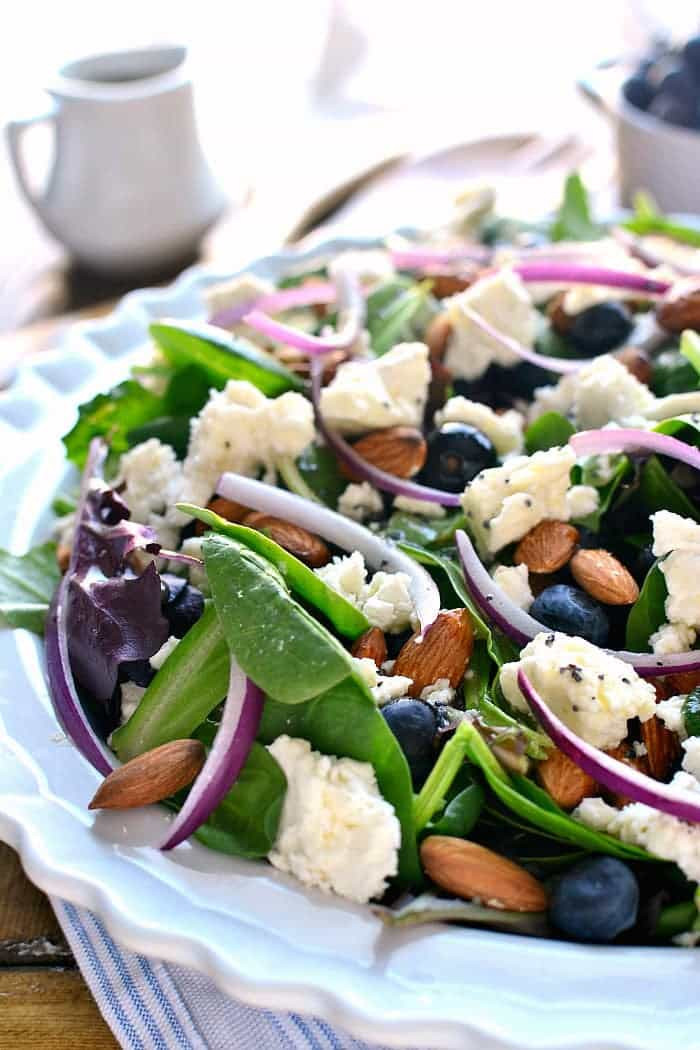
(235, 737)
(344, 533)
(359, 466)
(574, 273)
(614, 775)
(629, 439)
(319, 293)
(351, 315)
(560, 365)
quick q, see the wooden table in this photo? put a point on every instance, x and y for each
(44, 1001)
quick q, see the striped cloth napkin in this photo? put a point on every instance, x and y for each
(151, 1005)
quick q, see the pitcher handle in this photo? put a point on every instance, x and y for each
(14, 131)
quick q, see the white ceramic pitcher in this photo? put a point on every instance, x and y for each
(130, 189)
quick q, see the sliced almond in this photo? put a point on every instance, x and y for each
(300, 542)
(437, 335)
(547, 547)
(371, 645)
(682, 682)
(443, 651)
(663, 747)
(636, 362)
(151, 777)
(625, 752)
(469, 870)
(400, 451)
(225, 508)
(564, 781)
(604, 577)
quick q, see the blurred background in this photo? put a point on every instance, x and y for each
(292, 100)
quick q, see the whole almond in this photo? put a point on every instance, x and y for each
(300, 542)
(682, 682)
(437, 335)
(400, 451)
(225, 508)
(445, 284)
(663, 747)
(636, 362)
(604, 577)
(680, 308)
(564, 781)
(625, 752)
(560, 321)
(443, 651)
(371, 645)
(547, 547)
(469, 870)
(151, 777)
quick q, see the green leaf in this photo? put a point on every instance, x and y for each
(221, 357)
(549, 430)
(478, 677)
(525, 799)
(424, 532)
(27, 584)
(63, 504)
(171, 430)
(606, 491)
(345, 617)
(246, 822)
(434, 793)
(686, 428)
(460, 814)
(690, 348)
(428, 909)
(537, 743)
(660, 492)
(186, 689)
(112, 416)
(648, 219)
(393, 313)
(672, 374)
(573, 221)
(319, 470)
(675, 919)
(648, 612)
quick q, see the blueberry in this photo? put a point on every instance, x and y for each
(457, 452)
(600, 328)
(638, 92)
(679, 84)
(184, 612)
(171, 586)
(567, 609)
(673, 110)
(414, 725)
(691, 55)
(595, 901)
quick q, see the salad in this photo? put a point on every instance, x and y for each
(387, 575)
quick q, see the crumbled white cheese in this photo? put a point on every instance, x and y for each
(514, 581)
(159, 658)
(240, 429)
(677, 542)
(385, 600)
(382, 687)
(503, 503)
(368, 265)
(691, 758)
(671, 714)
(226, 295)
(150, 483)
(639, 748)
(601, 392)
(503, 301)
(336, 831)
(360, 502)
(472, 204)
(197, 574)
(131, 696)
(388, 391)
(661, 834)
(581, 501)
(422, 507)
(593, 692)
(440, 692)
(505, 431)
(672, 638)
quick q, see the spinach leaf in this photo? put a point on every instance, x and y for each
(524, 798)
(537, 744)
(672, 374)
(686, 428)
(63, 503)
(460, 814)
(346, 618)
(422, 531)
(345, 721)
(189, 685)
(648, 612)
(27, 584)
(478, 676)
(690, 348)
(549, 430)
(573, 221)
(606, 491)
(245, 823)
(396, 312)
(319, 469)
(660, 492)
(648, 219)
(221, 357)
(171, 430)
(428, 908)
(125, 408)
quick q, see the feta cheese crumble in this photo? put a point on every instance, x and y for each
(440, 692)
(226, 295)
(197, 574)
(152, 482)
(159, 658)
(591, 691)
(369, 266)
(131, 697)
(240, 429)
(503, 503)
(601, 392)
(382, 687)
(336, 831)
(360, 502)
(672, 638)
(422, 507)
(671, 714)
(514, 582)
(505, 431)
(677, 541)
(385, 600)
(504, 302)
(388, 391)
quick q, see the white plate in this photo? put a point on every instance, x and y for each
(257, 933)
